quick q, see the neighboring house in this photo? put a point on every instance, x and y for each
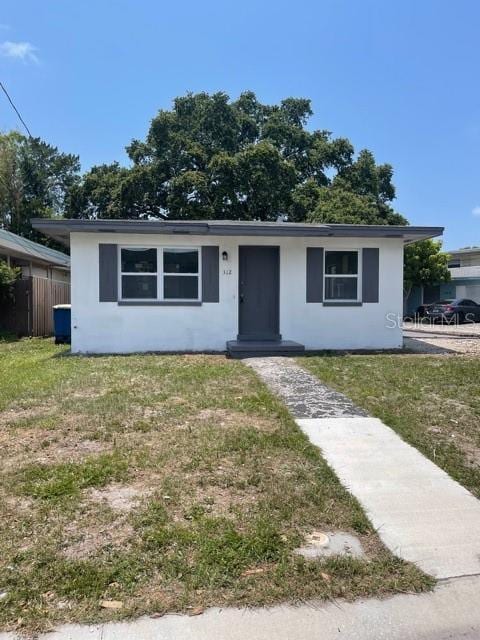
(464, 267)
(44, 281)
(34, 259)
(198, 285)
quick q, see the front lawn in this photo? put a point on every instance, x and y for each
(147, 484)
(432, 402)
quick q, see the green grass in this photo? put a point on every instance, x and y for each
(67, 479)
(166, 482)
(432, 402)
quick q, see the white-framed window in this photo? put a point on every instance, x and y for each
(181, 270)
(341, 275)
(159, 273)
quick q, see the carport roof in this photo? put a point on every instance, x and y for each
(62, 228)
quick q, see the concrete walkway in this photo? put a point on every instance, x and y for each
(421, 514)
(450, 612)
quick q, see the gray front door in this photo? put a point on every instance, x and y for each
(258, 292)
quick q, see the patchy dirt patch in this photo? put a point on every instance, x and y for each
(227, 418)
(214, 500)
(120, 497)
(15, 416)
(18, 503)
(45, 446)
(81, 543)
(69, 452)
(88, 392)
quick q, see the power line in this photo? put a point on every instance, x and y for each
(15, 109)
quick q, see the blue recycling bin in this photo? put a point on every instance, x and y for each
(62, 323)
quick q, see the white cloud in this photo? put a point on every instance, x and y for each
(21, 50)
(476, 211)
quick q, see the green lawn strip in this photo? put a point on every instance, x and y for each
(51, 482)
(432, 402)
(30, 368)
(231, 488)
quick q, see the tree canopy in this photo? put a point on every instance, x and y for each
(213, 158)
(35, 182)
(209, 157)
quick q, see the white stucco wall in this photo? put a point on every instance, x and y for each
(106, 327)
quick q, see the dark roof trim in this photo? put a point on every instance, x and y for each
(61, 229)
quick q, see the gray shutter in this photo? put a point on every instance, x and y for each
(108, 272)
(210, 274)
(314, 274)
(370, 280)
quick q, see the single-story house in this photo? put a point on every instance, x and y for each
(250, 287)
(44, 281)
(464, 267)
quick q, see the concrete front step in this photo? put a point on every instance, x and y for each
(253, 348)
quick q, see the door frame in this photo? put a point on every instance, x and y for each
(275, 335)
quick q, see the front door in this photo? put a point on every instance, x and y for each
(258, 293)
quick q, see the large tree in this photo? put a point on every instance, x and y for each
(35, 180)
(209, 157)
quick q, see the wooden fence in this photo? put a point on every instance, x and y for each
(30, 312)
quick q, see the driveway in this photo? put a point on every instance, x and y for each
(442, 339)
(470, 329)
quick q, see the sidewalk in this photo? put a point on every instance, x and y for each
(450, 612)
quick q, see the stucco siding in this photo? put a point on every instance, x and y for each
(106, 327)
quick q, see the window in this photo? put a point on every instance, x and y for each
(180, 279)
(159, 273)
(341, 275)
(136, 264)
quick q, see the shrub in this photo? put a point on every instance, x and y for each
(8, 276)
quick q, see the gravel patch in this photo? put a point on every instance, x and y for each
(444, 346)
(465, 330)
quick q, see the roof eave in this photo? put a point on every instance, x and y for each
(60, 229)
(32, 256)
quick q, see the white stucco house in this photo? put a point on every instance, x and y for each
(249, 287)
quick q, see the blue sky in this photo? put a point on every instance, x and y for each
(400, 78)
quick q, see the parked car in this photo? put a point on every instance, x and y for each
(453, 311)
(421, 311)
